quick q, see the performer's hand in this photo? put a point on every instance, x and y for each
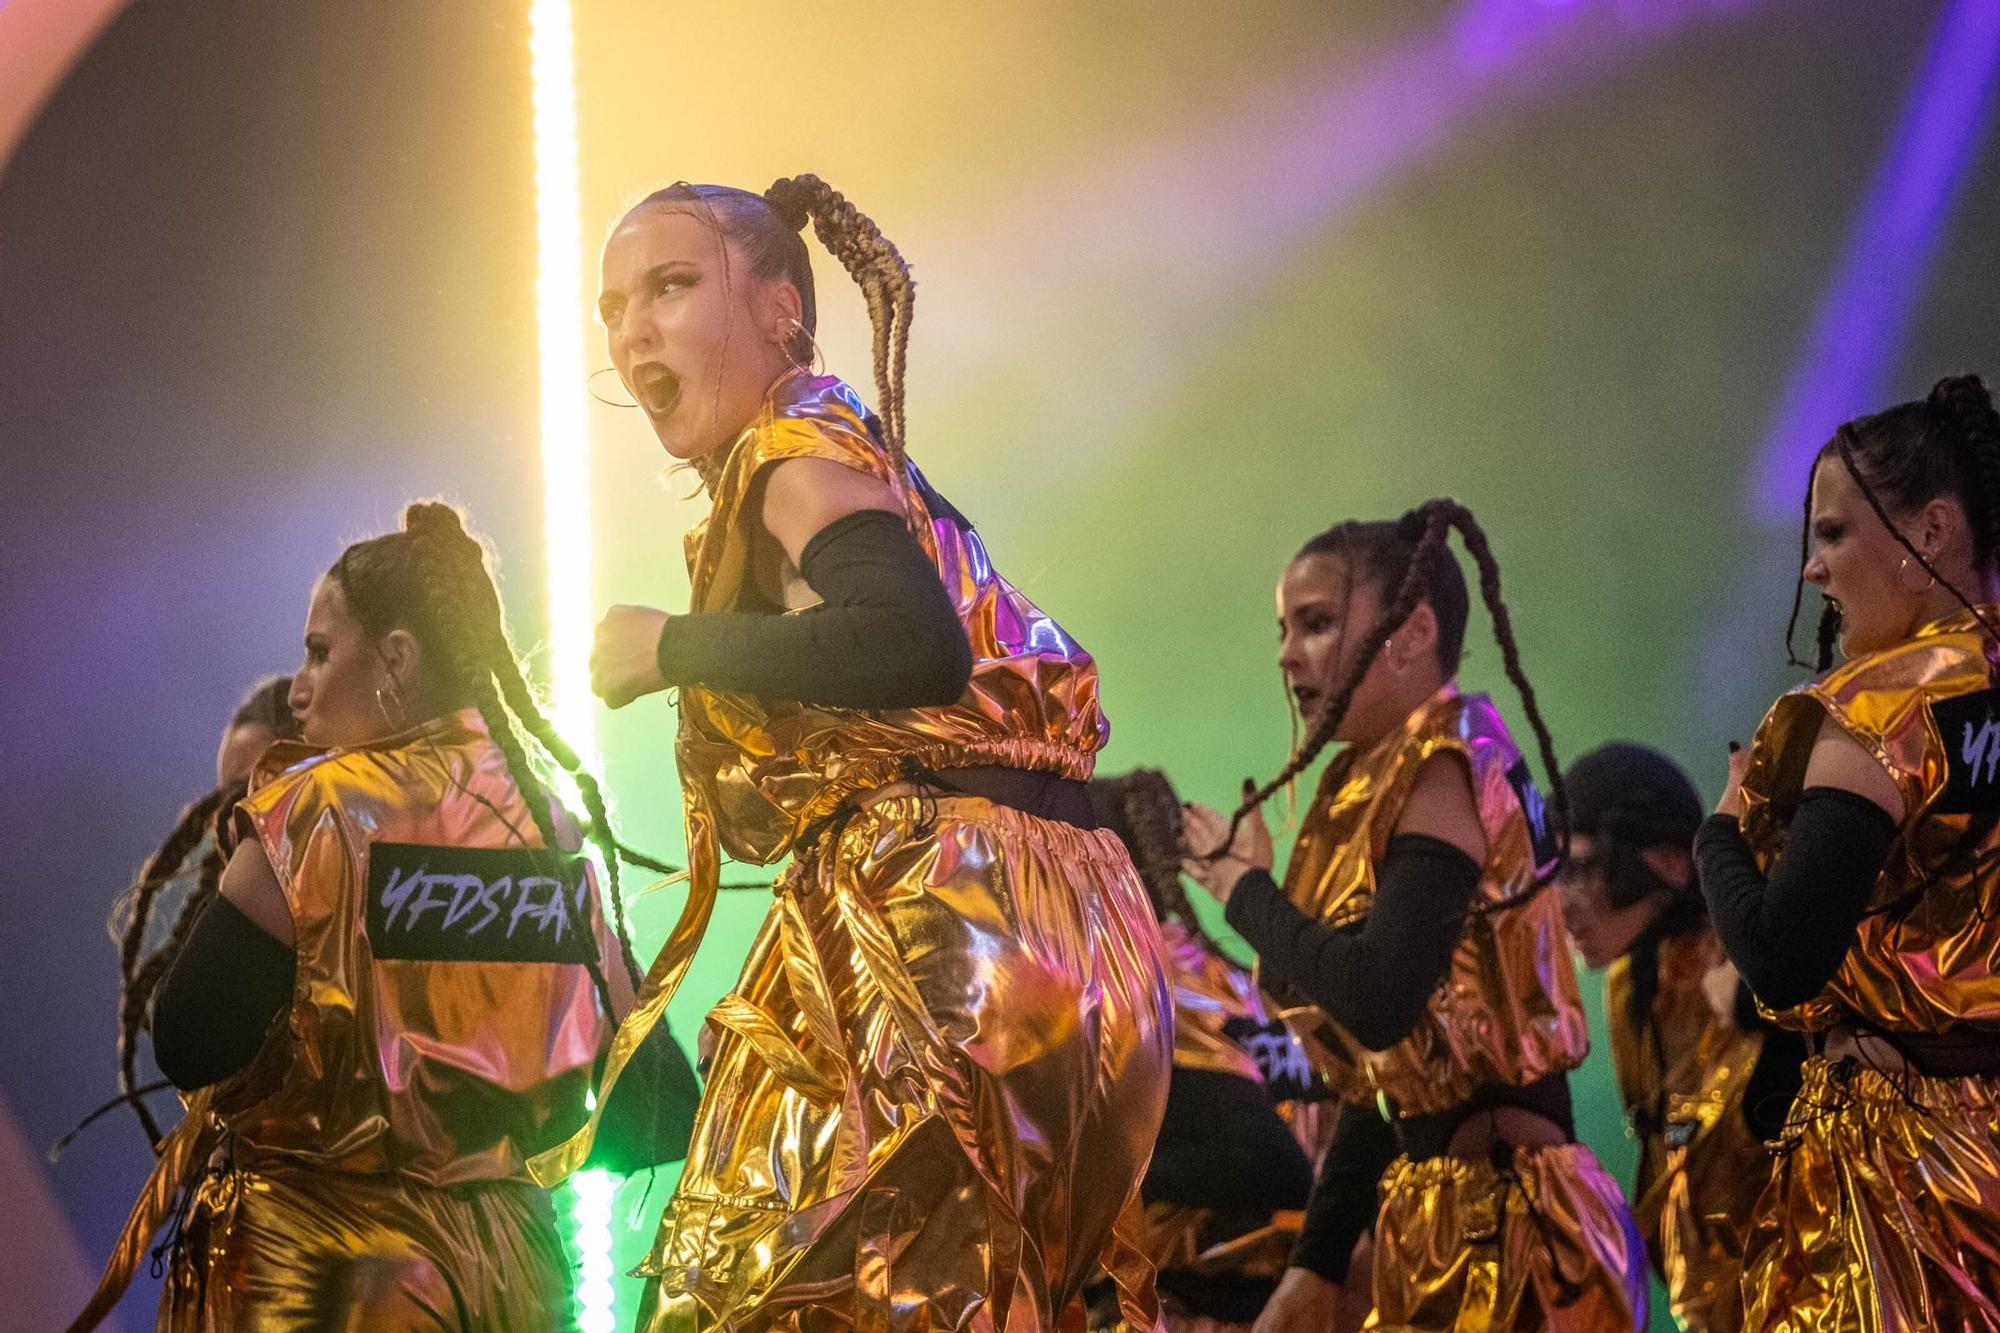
(1304, 1302)
(1203, 829)
(1732, 794)
(625, 662)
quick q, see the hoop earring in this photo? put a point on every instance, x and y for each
(1899, 578)
(814, 367)
(400, 718)
(590, 386)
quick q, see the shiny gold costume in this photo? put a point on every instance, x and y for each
(368, 1169)
(1884, 1213)
(1682, 1077)
(940, 1074)
(1457, 1241)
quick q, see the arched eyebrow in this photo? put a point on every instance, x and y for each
(651, 275)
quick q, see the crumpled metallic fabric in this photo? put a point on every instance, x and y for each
(1209, 991)
(1884, 1213)
(393, 1080)
(955, 1015)
(1509, 1011)
(936, 1087)
(1682, 1078)
(1927, 956)
(1547, 1245)
(296, 1250)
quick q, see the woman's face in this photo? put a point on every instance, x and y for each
(697, 349)
(1858, 563)
(1323, 619)
(1600, 931)
(343, 693)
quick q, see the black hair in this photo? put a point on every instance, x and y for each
(1144, 810)
(1408, 567)
(1901, 459)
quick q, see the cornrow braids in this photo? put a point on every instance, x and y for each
(139, 974)
(1966, 407)
(1882, 513)
(878, 267)
(1425, 530)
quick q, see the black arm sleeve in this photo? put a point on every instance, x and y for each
(217, 1002)
(886, 634)
(1344, 1198)
(1375, 977)
(1224, 1146)
(1788, 934)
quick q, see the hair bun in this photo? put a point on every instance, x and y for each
(1960, 393)
(790, 199)
(434, 520)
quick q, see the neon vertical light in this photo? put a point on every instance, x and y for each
(1866, 313)
(566, 511)
(565, 417)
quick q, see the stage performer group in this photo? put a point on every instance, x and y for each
(987, 1065)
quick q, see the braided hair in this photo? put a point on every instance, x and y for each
(140, 971)
(1144, 810)
(766, 229)
(433, 579)
(1901, 459)
(1410, 558)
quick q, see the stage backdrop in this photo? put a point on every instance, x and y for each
(1193, 286)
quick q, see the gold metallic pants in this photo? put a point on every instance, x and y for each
(1697, 1208)
(936, 1088)
(1547, 1246)
(1884, 1213)
(289, 1250)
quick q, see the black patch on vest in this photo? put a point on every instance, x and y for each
(1541, 835)
(479, 904)
(1969, 726)
(1288, 1072)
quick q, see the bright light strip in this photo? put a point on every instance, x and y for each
(566, 514)
(591, 1194)
(565, 414)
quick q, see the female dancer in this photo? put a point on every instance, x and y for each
(152, 918)
(399, 991)
(1234, 1160)
(939, 1078)
(1419, 960)
(1704, 1080)
(1850, 872)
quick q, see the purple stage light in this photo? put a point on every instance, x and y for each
(1865, 315)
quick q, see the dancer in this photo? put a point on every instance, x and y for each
(398, 991)
(939, 1078)
(1704, 1080)
(150, 920)
(1849, 870)
(1234, 1161)
(1417, 956)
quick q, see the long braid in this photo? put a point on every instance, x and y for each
(138, 974)
(1426, 527)
(1799, 592)
(1481, 551)
(465, 607)
(878, 267)
(1844, 447)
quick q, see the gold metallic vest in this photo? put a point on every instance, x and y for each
(1208, 993)
(1509, 1011)
(1927, 955)
(446, 1071)
(756, 774)
(768, 769)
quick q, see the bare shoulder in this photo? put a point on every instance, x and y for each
(1442, 805)
(1842, 762)
(252, 885)
(801, 496)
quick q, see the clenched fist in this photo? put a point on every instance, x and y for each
(625, 661)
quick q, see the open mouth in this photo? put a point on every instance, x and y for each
(1307, 699)
(657, 389)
